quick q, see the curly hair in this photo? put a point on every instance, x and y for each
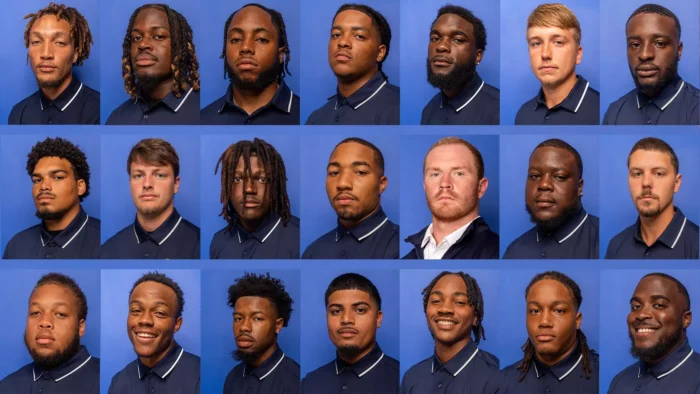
(264, 286)
(378, 21)
(79, 29)
(163, 279)
(54, 278)
(479, 29)
(63, 149)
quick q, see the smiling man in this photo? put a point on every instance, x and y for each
(661, 96)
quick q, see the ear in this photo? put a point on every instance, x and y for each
(579, 54)
(81, 327)
(380, 317)
(679, 180)
(280, 54)
(176, 186)
(383, 182)
(279, 323)
(381, 53)
(483, 185)
(680, 50)
(82, 187)
(579, 317)
(75, 56)
(580, 187)
(479, 56)
(475, 321)
(687, 319)
(178, 324)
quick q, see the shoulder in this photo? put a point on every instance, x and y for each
(616, 105)
(490, 92)
(392, 228)
(92, 95)
(511, 372)
(17, 377)
(213, 108)
(489, 359)
(630, 371)
(325, 238)
(189, 227)
(692, 90)
(190, 360)
(391, 363)
(317, 115)
(527, 106)
(620, 237)
(418, 369)
(692, 226)
(122, 376)
(320, 372)
(293, 223)
(17, 110)
(234, 373)
(120, 111)
(114, 241)
(94, 223)
(28, 233)
(221, 235)
(524, 239)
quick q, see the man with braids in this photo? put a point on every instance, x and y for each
(261, 309)
(454, 309)
(60, 178)
(57, 38)
(354, 313)
(160, 69)
(553, 190)
(657, 322)
(55, 323)
(359, 44)
(661, 96)
(556, 357)
(256, 57)
(255, 205)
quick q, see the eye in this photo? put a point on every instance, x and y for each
(237, 319)
(59, 177)
(460, 303)
(61, 315)
(137, 176)
(434, 38)
(362, 173)
(262, 40)
(559, 311)
(534, 44)
(335, 35)
(660, 44)
(459, 40)
(559, 42)
(361, 311)
(333, 173)
(35, 42)
(633, 45)
(660, 173)
(34, 313)
(460, 173)
(136, 38)
(160, 175)
(160, 314)
(258, 319)
(534, 177)
(659, 306)
(237, 179)
(533, 311)
(159, 37)
(434, 302)
(36, 180)
(560, 178)
(334, 312)
(235, 40)
(360, 37)
(61, 43)
(134, 310)
(262, 180)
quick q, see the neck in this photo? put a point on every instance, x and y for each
(554, 95)
(250, 225)
(52, 93)
(62, 223)
(152, 222)
(348, 87)
(346, 223)
(359, 356)
(252, 100)
(675, 347)
(552, 359)
(441, 228)
(151, 361)
(653, 227)
(159, 92)
(446, 351)
(263, 357)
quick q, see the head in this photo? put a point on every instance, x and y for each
(457, 45)
(158, 46)
(654, 47)
(554, 184)
(154, 176)
(60, 177)
(355, 179)
(156, 303)
(261, 307)
(653, 176)
(256, 52)
(57, 38)
(359, 43)
(353, 314)
(56, 320)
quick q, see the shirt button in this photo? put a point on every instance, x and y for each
(145, 116)
(638, 388)
(153, 390)
(439, 385)
(547, 117)
(343, 253)
(345, 387)
(648, 122)
(50, 121)
(48, 256)
(647, 254)
(547, 389)
(337, 118)
(247, 121)
(447, 121)
(146, 254)
(245, 252)
(543, 254)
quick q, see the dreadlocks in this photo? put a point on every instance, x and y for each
(274, 169)
(379, 21)
(575, 292)
(184, 64)
(79, 29)
(474, 296)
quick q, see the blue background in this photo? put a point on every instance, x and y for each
(317, 79)
(617, 209)
(116, 345)
(617, 81)
(515, 220)
(20, 81)
(416, 215)
(416, 19)
(217, 337)
(316, 348)
(212, 147)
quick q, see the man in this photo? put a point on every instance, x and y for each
(60, 178)
(661, 230)
(556, 356)
(57, 38)
(55, 324)
(457, 45)
(158, 232)
(359, 44)
(661, 96)
(554, 43)
(261, 308)
(553, 190)
(454, 182)
(657, 322)
(354, 313)
(255, 205)
(355, 182)
(160, 70)
(156, 303)
(454, 309)
(256, 58)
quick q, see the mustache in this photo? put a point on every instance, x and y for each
(345, 194)
(45, 194)
(647, 193)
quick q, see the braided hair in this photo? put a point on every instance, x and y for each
(184, 65)
(79, 29)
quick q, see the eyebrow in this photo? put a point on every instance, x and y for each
(653, 298)
(256, 30)
(456, 293)
(54, 304)
(355, 304)
(653, 168)
(52, 172)
(353, 28)
(553, 302)
(52, 35)
(453, 32)
(655, 35)
(135, 30)
(354, 164)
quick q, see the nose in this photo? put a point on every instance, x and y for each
(347, 318)
(46, 51)
(546, 51)
(147, 182)
(250, 187)
(446, 308)
(344, 181)
(545, 320)
(647, 180)
(443, 46)
(46, 321)
(146, 319)
(646, 51)
(145, 43)
(545, 183)
(445, 182)
(643, 313)
(45, 184)
(245, 326)
(247, 45)
(344, 42)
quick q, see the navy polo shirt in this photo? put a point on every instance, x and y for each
(375, 373)
(283, 109)
(79, 240)
(81, 374)
(677, 104)
(375, 103)
(467, 372)
(477, 104)
(271, 240)
(679, 240)
(176, 373)
(77, 104)
(374, 238)
(677, 373)
(580, 107)
(575, 239)
(477, 242)
(279, 374)
(171, 110)
(176, 238)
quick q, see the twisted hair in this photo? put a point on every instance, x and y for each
(659, 10)
(184, 65)
(79, 29)
(264, 286)
(63, 149)
(379, 22)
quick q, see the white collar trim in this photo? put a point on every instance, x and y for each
(183, 100)
(74, 235)
(360, 104)
(64, 376)
(471, 98)
(571, 233)
(639, 374)
(337, 372)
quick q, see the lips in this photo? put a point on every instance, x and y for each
(345, 198)
(544, 203)
(342, 56)
(46, 67)
(246, 64)
(145, 60)
(544, 338)
(41, 197)
(44, 339)
(244, 341)
(647, 70)
(145, 336)
(148, 197)
(441, 61)
(645, 331)
(347, 332)
(251, 203)
(548, 68)
(445, 323)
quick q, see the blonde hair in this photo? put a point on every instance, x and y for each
(478, 159)
(555, 15)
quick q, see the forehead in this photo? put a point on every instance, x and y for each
(51, 163)
(153, 291)
(352, 151)
(353, 18)
(657, 285)
(140, 165)
(451, 22)
(450, 283)
(650, 158)
(553, 157)
(152, 17)
(549, 31)
(253, 303)
(349, 297)
(53, 293)
(255, 163)
(451, 154)
(50, 24)
(548, 290)
(252, 17)
(650, 23)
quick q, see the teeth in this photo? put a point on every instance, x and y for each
(144, 335)
(646, 330)
(446, 322)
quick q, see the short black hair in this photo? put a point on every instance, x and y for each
(163, 279)
(264, 286)
(659, 10)
(378, 20)
(479, 29)
(55, 278)
(658, 145)
(378, 156)
(561, 144)
(64, 149)
(352, 281)
(681, 287)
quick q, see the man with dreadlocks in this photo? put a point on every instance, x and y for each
(358, 46)
(454, 309)
(255, 205)
(256, 58)
(60, 178)
(57, 38)
(160, 69)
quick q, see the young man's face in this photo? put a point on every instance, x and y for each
(554, 54)
(452, 52)
(354, 48)
(153, 187)
(255, 327)
(151, 46)
(55, 188)
(450, 317)
(353, 318)
(653, 181)
(51, 51)
(249, 195)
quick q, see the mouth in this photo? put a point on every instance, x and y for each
(344, 199)
(251, 204)
(544, 338)
(544, 204)
(145, 60)
(647, 71)
(44, 339)
(145, 337)
(244, 342)
(645, 331)
(445, 324)
(148, 197)
(45, 197)
(342, 57)
(347, 332)
(548, 68)
(441, 62)
(46, 68)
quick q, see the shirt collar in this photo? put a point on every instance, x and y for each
(365, 228)
(66, 369)
(568, 229)
(457, 363)
(466, 96)
(665, 97)
(671, 234)
(669, 364)
(266, 227)
(282, 99)
(267, 367)
(573, 100)
(165, 366)
(68, 234)
(363, 94)
(162, 233)
(171, 101)
(563, 368)
(64, 99)
(451, 238)
(364, 365)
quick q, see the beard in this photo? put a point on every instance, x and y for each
(266, 78)
(56, 358)
(651, 90)
(658, 350)
(651, 212)
(147, 83)
(247, 357)
(550, 225)
(52, 83)
(349, 352)
(46, 214)
(461, 210)
(459, 76)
